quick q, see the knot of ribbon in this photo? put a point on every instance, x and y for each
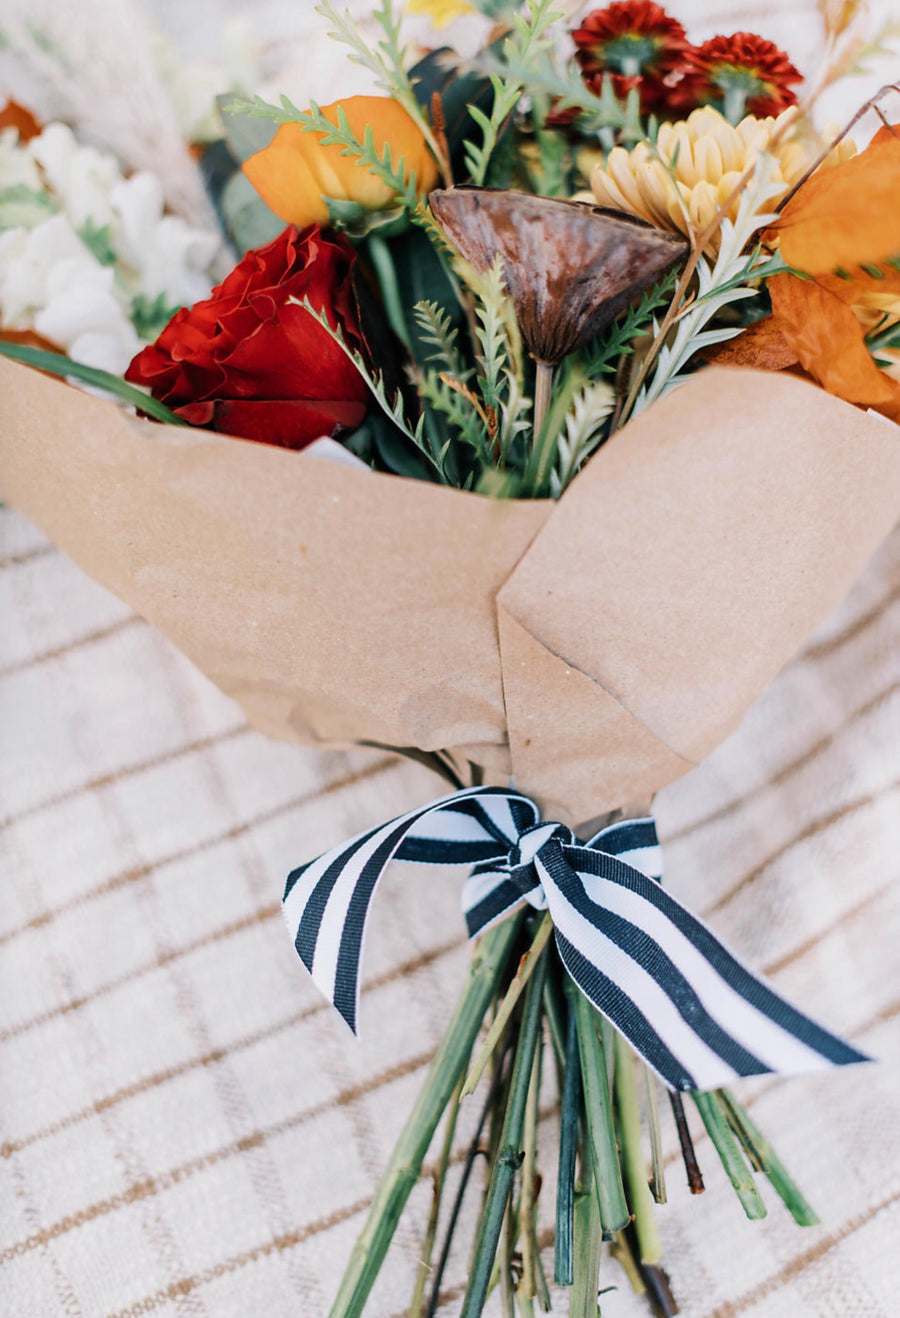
(696, 1014)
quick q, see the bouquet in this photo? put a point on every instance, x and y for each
(571, 386)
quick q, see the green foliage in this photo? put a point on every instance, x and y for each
(521, 50)
(437, 331)
(604, 356)
(97, 238)
(151, 315)
(22, 206)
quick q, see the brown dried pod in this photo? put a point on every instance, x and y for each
(570, 267)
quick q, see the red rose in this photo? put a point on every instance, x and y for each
(250, 361)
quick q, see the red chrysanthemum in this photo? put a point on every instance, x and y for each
(636, 44)
(743, 74)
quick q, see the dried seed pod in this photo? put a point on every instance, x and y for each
(570, 267)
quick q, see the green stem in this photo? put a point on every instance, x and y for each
(563, 1269)
(527, 1210)
(513, 993)
(485, 971)
(608, 1186)
(729, 1152)
(588, 1245)
(417, 1304)
(509, 1153)
(640, 1198)
(658, 1181)
(383, 265)
(765, 1157)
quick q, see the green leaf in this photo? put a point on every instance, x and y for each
(24, 207)
(246, 218)
(150, 316)
(245, 133)
(54, 363)
(97, 238)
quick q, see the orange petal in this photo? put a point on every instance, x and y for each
(828, 341)
(283, 178)
(847, 214)
(296, 171)
(762, 345)
(14, 115)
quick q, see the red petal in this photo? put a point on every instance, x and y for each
(291, 423)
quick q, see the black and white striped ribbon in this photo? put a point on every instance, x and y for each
(692, 1010)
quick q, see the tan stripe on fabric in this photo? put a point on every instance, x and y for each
(732, 1308)
(810, 830)
(402, 971)
(255, 1139)
(128, 771)
(787, 771)
(92, 638)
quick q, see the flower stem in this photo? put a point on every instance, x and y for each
(513, 993)
(763, 1156)
(607, 1173)
(509, 1153)
(528, 1286)
(640, 1198)
(485, 972)
(691, 1165)
(417, 1304)
(729, 1152)
(543, 386)
(658, 1179)
(588, 1244)
(563, 1268)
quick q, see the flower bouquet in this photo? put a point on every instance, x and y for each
(578, 473)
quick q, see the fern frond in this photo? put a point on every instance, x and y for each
(386, 61)
(391, 407)
(581, 433)
(436, 328)
(521, 50)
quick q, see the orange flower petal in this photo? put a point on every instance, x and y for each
(847, 214)
(296, 171)
(14, 115)
(762, 345)
(285, 181)
(828, 341)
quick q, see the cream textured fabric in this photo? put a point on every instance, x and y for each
(186, 1129)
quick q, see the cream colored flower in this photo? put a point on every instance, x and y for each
(681, 181)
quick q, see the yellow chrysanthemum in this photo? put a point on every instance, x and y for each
(441, 12)
(695, 165)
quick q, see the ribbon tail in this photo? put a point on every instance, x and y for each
(326, 902)
(696, 1014)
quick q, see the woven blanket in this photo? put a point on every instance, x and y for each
(187, 1129)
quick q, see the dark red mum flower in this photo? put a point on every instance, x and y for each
(637, 44)
(251, 361)
(743, 74)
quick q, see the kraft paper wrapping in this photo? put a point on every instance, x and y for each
(596, 648)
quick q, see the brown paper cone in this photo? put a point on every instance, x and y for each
(597, 648)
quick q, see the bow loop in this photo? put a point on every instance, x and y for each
(690, 1008)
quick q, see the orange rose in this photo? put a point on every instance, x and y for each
(295, 173)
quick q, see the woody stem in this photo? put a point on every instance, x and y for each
(543, 384)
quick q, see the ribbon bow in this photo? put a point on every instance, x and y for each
(692, 1010)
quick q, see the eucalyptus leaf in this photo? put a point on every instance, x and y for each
(247, 219)
(245, 134)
